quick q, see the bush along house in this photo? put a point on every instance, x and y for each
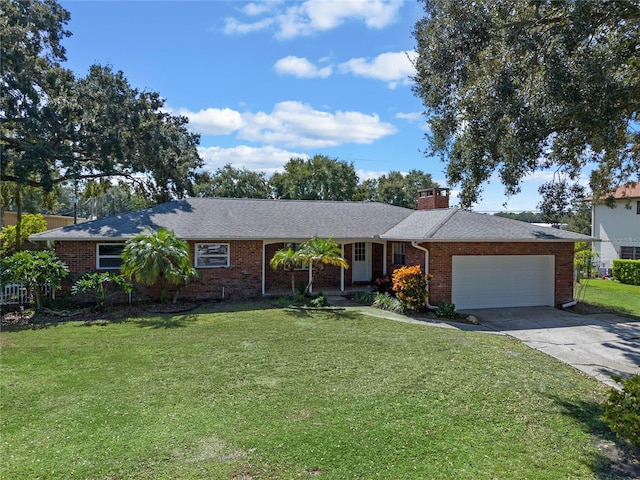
(476, 260)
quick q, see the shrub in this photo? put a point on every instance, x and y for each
(627, 271)
(30, 224)
(101, 286)
(34, 270)
(622, 410)
(364, 297)
(158, 257)
(410, 285)
(319, 301)
(383, 285)
(384, 301)
(446, 310)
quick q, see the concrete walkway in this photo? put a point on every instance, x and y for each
(600, 345)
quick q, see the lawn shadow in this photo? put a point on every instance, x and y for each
(615, 459)
(166, 321)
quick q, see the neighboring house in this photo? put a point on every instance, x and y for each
(53, 221)
(476, 260)
(618, 228)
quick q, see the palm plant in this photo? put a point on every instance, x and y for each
(158, 257)
(289, 259)
(320, 252)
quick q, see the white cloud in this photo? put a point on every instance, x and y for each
(297, 125)
(233, 26)
(213, 121)
(259, 8)
(392, 67)
(262, 159)
(409, 117)
(415, 117)
(301, 68)
(312, 16)
(290, 124)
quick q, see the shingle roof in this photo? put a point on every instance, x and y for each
(461, 225)
(253, 219)
(230, 218)
(625, 192)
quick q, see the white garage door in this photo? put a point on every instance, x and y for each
(502, 281)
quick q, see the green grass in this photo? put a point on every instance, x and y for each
(275, 394)
(612, 294)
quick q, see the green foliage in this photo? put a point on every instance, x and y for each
(622, 409)
(58, 128)
(315, 253)
(626, 271)
(320, 178)
(318, 252)
(410, 286)
(395, 188)
(585, 260)
(517, 87)
(101, 286)
(233, 183)
(319, 301)
(384, 301)
(158, 257)
(30, 224)
(289, 259)
(34, 270)
(529, 217)
(446, 310)
(363, 297)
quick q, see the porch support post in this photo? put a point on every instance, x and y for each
(264, 253)
(384, 259)
(342, 271)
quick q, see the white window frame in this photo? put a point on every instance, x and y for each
(399, 249)
(99, 257)
(227, 256)
(360, 252)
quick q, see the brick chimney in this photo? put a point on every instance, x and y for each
(432, 198)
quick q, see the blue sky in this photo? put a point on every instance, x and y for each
(263, 82)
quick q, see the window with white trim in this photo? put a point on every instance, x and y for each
(360, 252)
(399, 254)
(630, 253)
(212, 255)
(109, 256)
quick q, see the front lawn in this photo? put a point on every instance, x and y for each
(611, 294)
(278, 394)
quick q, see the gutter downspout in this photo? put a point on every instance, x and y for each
(426, 269)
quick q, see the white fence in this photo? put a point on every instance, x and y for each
(17, 294)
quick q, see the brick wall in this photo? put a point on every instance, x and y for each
(280, 279)
(241, 280)
(440, 264)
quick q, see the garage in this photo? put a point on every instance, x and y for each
(491, 281)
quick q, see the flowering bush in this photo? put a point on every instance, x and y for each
(410, 285)
(383, 285)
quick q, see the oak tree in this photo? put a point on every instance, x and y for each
(514, 88)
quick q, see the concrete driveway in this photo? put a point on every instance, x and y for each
(600, 345)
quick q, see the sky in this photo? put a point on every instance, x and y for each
(264, 82)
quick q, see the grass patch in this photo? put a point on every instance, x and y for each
(611, 294)
(278, 394)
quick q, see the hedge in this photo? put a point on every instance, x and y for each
(627, 271)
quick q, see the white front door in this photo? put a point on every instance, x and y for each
(361, 263)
